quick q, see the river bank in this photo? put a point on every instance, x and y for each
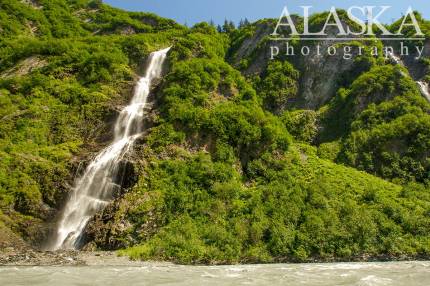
(12, 257)
(31, 257)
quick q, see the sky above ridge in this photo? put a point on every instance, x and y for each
(194, 11)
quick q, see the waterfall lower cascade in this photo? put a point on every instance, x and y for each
(95, 188)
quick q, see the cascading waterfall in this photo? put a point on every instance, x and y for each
(424, 87)
(95, 188)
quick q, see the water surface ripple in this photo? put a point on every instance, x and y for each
(357, 274)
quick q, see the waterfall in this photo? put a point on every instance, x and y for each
(95, 188)
(394, 58)
(424, 87)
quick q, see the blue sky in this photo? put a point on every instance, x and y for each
(193, 11)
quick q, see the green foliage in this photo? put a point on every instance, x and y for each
(393, 148)
(211, 101)
(279, 84)
(408, 31)
(297, 207)
(74, 18)
(329, 151)
(388, 135)
(318, 21)
(302, 124)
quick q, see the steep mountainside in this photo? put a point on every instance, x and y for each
(244, 159)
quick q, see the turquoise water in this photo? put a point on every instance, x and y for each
(401, 273)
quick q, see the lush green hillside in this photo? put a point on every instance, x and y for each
(293, 206)
(235, 165)
(73, 18)
(57, 98)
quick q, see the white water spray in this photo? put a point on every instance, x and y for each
(94, 190)
(424, 88)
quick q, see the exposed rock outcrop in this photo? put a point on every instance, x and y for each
(24, 67)
(320, 73)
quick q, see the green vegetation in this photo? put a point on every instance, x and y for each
(73, 18)
(385, 125)
(58, 88)
(279, 84)
(230, 169)
(293, 207)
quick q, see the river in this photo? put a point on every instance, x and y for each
(391, 273)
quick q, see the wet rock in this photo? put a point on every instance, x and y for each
(108, 230)
(126, 177)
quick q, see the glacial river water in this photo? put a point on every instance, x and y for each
(393, 273)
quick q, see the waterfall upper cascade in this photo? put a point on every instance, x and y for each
(94, 189)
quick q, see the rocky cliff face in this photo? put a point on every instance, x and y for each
(417, 68)
(321, 74)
